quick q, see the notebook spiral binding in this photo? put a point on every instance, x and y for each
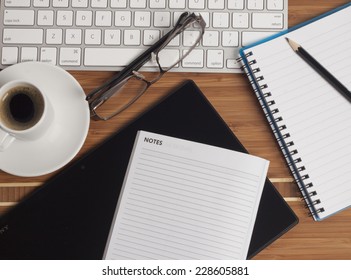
(286, 145)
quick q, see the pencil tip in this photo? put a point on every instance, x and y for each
(293, 44)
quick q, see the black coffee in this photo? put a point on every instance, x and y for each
(21, 107)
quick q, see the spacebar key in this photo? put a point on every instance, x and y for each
(110, 56)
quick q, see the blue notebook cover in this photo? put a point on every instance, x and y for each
(251, 68)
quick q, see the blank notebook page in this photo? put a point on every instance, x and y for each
(186, 200)
(317, 117)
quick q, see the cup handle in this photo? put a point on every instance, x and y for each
(5, 140)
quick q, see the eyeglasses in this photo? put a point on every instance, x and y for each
(127, 86)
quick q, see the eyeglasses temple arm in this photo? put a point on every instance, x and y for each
(138, 62)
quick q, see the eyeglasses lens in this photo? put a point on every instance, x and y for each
(177, 48)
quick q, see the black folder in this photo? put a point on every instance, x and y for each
(70, 216)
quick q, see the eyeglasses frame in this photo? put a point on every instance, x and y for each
(101, 94)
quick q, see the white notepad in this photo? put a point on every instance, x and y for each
(186, 200)
(310, 119)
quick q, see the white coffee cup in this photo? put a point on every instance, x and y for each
(25, 113)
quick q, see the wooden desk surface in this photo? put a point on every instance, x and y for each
(232, 96)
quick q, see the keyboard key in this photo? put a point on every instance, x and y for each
(216, 4)
(233, 64)
(54, 36)
(29, 54)
(195, 59)
(73, 36)
(48, 55)
(215, 58)
(92, 36)
(64, 18)
(9, 55)
(175, 42)
(17, 3)
(220, 20)
(162, 19)
(151, 37)
(19, 17)
(250, 37)
(167, 57)
(103, 18)
(189, 37)
(157, 4)
(123, 18)
(41, 3)
(138, 4)
(236, 4)
(255, 4)
(110, 56)
(99, 3)
(45, 18)
(132, 37)
(79, 3)
(230, 38)
(60, 3)
(112, 37)
(23, 36)
(176, 16)
(197, 4)
(70, 56)
(206, 17)
(142, 19)
(267, 20)
(118, 3)
(275, 5)
(177, 4)
(241, 20)
(210, 39)
(84, 18)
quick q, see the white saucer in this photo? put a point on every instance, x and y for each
(68, 131)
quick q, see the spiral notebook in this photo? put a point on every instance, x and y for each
(309, 118)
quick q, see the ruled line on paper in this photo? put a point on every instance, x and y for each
(217, 246)
(316, 116)
(190, 194)
(188, 207)
(176, 234)
(254, 178)
(126, 255)
(194, 171)
(171, 216)
(193, 166)
(202, 162)
(213, 249)
(196, 177)
(171, 247)
(212, 178)
(199, 191)
(186, 214)
(237, 193)
(218, 186)
(182, 203)
(187, 226)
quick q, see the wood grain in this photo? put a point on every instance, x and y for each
(233, 98)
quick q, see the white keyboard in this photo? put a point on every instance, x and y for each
(108, 34)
